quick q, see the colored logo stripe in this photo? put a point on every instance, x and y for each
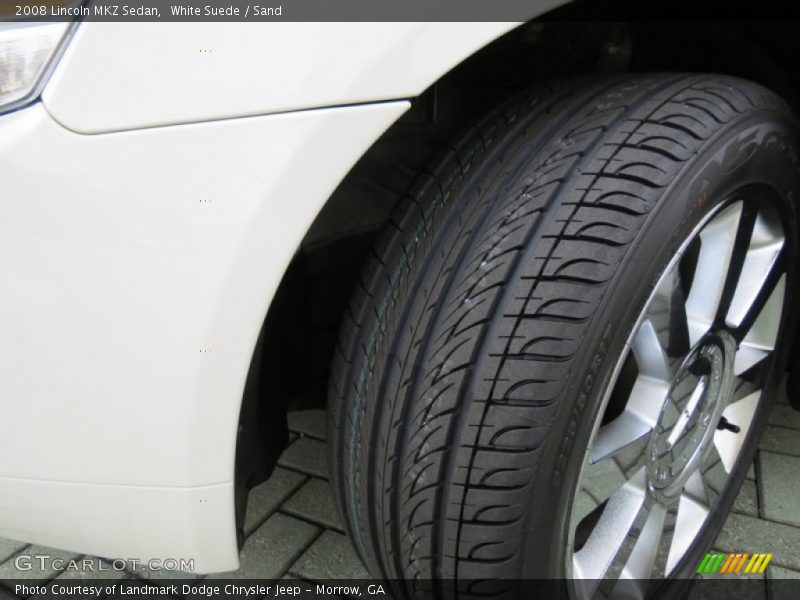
(719, 562)
(711, 563)
(740, 564)
(726, 566)
(704, 564)
(758, 563)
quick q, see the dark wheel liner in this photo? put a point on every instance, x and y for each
(457, 367)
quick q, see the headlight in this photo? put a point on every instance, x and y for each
(27, 52)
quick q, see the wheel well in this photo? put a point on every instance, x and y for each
(302, 324)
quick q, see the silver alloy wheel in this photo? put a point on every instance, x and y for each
(683, 396)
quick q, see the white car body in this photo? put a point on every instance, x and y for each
(151, 202)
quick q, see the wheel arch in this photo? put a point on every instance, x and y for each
(326, 264)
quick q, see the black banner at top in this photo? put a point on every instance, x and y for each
(392, 10)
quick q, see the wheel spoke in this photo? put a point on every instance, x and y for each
(743, 260)
(667, 313)
(698, 489)
(759, 339)
(769, 298)
(635, 422)
(761, 263)
(603, 479)
(583, 506)
(609, 546)
(646, 399)
(747, 357)
(604, 476)
(644, 549)
(644, 554)
(681, 405)
(714, 475)
(623, 431)
(650, 354)
(717, 241)
(690, 519)
(660, 568)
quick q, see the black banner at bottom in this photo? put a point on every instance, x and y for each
(65, 588)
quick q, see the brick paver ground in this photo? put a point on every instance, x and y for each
(293, 529)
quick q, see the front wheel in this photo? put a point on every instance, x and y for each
(558, 363)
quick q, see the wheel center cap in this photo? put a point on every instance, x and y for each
(699, 392)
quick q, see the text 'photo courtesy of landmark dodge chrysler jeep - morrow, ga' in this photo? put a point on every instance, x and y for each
(540, 274)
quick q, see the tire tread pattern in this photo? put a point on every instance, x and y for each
(468, 316)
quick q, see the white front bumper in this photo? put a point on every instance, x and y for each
(136, 269)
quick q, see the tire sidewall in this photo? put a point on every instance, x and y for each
(759, 149)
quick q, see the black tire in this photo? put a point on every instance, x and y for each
(498, 301)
